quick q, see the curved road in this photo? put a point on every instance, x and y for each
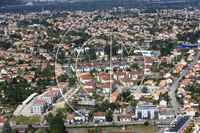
(174, 86)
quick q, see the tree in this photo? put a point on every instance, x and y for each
(144, 90)
(125, 96)
(56, 125)
(72, 81)
(48, 117)
(90, 116)
(118, 118)
(31, 128)
(7, 128)
(15, 131)
(109, 116)
(146, 123)
(70, 106)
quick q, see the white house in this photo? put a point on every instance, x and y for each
(119, 75)
(108, 86)
(90, 85)
(190, 111)
(100, 75)
(106, 79)
(127, 81)
(2, 120)
(133, 75)
(79, 116)
(70, 118)
(86, 78)
(163, 103)
(100, 116)
(125, 118)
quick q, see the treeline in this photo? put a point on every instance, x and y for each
(189, 36)
(94, 5)
(16, 92)
(5, 45)
(165, 47)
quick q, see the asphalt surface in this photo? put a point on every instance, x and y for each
(68, 71)
(93, 124)
(174, 86)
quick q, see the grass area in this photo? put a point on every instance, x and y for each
(132, 128)
(26, 120)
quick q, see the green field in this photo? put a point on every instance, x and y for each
(26, 120)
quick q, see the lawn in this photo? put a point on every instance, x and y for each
(26, 120)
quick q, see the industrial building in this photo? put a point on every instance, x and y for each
(188, 45)
(145, 53)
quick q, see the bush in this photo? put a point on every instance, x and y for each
(146, 123)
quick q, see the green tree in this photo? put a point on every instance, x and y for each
(146, 123)
(69, 107)
(15, 131)
(56, 125)
(118, 118)
(7, 128)
(144, 90)
(109, 116)
(90, 116)
(72, 81)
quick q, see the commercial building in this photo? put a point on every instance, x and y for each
(188, 45)
(145, 53)
(146, 111)
(182, 124)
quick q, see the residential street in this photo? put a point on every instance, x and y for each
(174, 86)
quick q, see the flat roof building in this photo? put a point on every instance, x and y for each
(183, 123)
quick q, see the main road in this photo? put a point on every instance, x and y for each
(174, 86)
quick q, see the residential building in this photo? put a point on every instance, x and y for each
(99, 116)
(39, 107)
(49, 98)
(108, 87)
(166, 114)
(125, 118)
(70, 118)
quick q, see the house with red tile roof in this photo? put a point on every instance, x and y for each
(127, 81)
(114, 96)
(88, 91)
(70, 118)
(90, 85)
(125, 118)
(108, 87)
(99, 116)
(119, 75)
(86, 78)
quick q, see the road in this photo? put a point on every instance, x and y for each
(93, 124)
(174, 86)
(68, 71)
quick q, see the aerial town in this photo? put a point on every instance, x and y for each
(112, 68)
